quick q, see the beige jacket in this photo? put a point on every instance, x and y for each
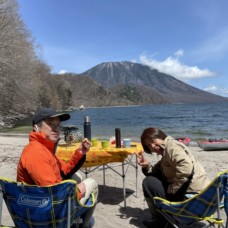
(177, 164)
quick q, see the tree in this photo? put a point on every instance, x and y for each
(20, 68)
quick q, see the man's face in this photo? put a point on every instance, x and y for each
(51, 127)
(155, 145)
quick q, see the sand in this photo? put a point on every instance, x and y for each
(110, 211)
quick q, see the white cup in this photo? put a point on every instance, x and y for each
(126, 143)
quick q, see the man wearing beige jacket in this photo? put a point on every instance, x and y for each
(176, 174)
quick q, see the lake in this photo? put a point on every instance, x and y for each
(197, 121)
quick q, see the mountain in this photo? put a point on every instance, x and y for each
(129, 76)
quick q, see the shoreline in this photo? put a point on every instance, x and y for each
(133, 119)
(22, 135)
(14, 120)
(110, 211)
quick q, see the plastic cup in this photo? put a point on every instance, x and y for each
(105, 144)
(126, 143)
(94, 142)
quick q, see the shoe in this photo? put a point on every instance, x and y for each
(151, 223)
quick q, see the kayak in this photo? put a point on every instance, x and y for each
(183, 140)
(214, 144)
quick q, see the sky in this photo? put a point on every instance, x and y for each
(187, 39)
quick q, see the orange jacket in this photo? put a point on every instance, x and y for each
(38, 164)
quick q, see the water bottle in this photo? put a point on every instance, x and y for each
(118, 137)
(87, 128)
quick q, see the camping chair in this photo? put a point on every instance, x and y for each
(200, 207)
(42, 207)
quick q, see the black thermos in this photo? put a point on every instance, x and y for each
(87, 128)
(118, 137)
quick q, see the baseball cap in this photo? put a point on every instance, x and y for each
(45, 113)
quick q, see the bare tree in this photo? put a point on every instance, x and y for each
(19, 85)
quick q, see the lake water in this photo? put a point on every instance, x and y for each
(197, 121)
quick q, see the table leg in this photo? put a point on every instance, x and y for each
(104, 177)
(124, 190)
(136, 173)
(86, 172)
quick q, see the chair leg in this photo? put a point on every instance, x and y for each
(1, 203)
(68, 211)
(169, 220)
(76, 223)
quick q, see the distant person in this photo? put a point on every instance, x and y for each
(177, 173)
(38, 164)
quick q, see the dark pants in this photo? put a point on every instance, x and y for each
(157, 186)
(86, 217)
(153, 186)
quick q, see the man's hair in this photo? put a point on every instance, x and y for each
(150, 134)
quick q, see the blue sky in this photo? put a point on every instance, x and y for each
(187, 39)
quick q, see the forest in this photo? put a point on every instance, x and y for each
(26, 82)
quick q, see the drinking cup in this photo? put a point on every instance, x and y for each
(126, 143)
(105, 144)
(94, 141)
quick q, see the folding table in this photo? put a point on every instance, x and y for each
(97, 156)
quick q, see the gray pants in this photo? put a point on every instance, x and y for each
(91, 187)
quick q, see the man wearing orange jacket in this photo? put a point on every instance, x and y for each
(38, 164)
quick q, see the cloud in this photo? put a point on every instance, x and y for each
(215, 47)
(174, 67)
(217, 90)
(62, 72)
(179, 53)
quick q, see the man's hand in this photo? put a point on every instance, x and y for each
(170, 189)
(82, 188)
(141, 160)
(85, 146)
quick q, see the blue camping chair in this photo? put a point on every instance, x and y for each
(200, 207)
(42, 207)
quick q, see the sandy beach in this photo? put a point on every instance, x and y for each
(110, 211)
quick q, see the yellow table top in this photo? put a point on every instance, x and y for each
(97, 155)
